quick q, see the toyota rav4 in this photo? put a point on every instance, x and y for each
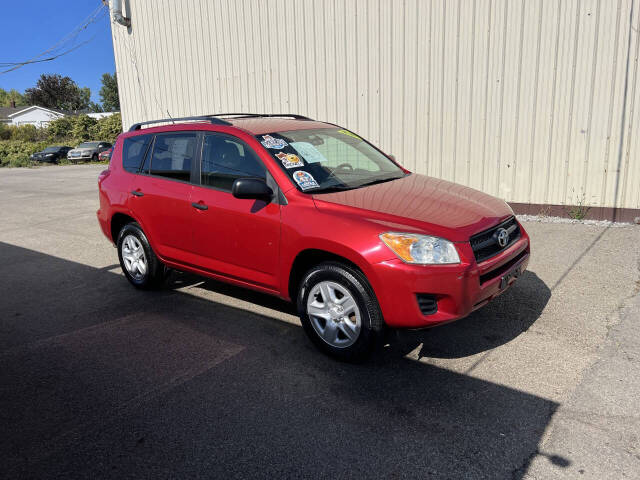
(312, 213)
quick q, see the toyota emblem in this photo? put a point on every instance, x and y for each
(502, 237)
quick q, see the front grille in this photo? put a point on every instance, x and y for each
(427, 303)
(485, 244)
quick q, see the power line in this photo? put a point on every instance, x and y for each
(56, 51)
(18, 65)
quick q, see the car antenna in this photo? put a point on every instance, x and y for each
(170, 117)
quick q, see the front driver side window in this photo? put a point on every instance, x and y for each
(225, 159)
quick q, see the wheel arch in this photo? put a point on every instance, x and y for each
(119, 220)
(309, 257)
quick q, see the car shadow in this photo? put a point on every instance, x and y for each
(500, 321)
(497, 323)
(180, 280)
(100, 380)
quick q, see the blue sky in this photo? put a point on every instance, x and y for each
(31, 26)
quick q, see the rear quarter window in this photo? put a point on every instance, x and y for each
(133, 152)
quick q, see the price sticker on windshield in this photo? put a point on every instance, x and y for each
(310, 153)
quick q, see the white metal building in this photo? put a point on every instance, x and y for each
(535, 101)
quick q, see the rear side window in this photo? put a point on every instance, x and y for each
(172, 155)
(133, 151)
(226, 158)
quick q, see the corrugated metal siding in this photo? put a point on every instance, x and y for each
(534, 101)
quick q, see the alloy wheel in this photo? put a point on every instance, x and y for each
(334, 314)
(134, 258)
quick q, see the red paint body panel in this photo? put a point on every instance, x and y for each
(254, 245)
(164, 212)
(237, 238)
(426, 204)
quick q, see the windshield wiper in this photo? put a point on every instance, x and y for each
(379, 180)
(331, 189)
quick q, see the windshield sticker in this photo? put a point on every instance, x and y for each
(289, 160)
(270, 142)
(310, 153)
(305, 180)
(348, 133)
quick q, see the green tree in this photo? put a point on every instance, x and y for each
(109, 93)
(56, 91)
(95, 107)
(6, 97)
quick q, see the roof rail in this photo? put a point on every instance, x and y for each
(257, 115)
(208, 118)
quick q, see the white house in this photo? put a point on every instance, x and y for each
(35, 115)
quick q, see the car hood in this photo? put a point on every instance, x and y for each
(421, 203)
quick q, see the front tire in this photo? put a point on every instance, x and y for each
(339, 311)
(138, 261)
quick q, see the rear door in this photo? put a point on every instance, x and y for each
(234, 237)
(161, 194)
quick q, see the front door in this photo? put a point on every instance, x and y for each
(233, 237)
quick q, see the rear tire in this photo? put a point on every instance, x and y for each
(339, 311)
(139, 263)
(94, 157)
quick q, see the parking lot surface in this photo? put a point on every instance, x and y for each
(203, 380)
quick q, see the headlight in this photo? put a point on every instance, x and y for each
(49, 155)
(421, 249)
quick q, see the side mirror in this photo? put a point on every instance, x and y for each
(252, 188)
(392, 157)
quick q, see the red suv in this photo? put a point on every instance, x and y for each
(312, 213)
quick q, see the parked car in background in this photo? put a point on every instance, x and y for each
(106, 155)
(312, 213)
(51, 154)
(88, 151)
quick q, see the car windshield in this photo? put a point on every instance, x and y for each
(51, 149)
(88, 145)
(329, 159)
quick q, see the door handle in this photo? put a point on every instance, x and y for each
(199, 206)
(137, 193)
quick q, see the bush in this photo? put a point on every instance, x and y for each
(27, 133)
(5, 132)
(82, 127)
(15, 153)
(17, 143)
(60, 129)
(108, 128)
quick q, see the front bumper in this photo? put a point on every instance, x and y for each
(459, 289)
(82, 156)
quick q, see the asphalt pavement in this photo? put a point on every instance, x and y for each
(204, 380)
